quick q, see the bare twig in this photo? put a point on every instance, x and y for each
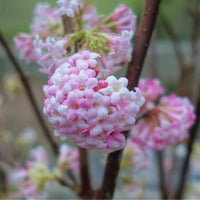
(85, 189)
(143, 37)
(193, 133)
(29, 93)
(3, 182)
(68, 23)
(142, 40)
(162, 183)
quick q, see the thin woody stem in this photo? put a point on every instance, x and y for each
(143, 37)
(162, 184)
(193, 133)
(85, 189)
(30, 95)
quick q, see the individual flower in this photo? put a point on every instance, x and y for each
(90, 17)
(151, 90)
(68, 158)
(91, 112)
(32, 178)
(46, 21)
(115, 51)
(122, 47)
(122, 18)
(135, 156)
(24, 43)
(66, 7)
(50, 53)
(166, 124)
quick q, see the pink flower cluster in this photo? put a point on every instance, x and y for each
(50, 53)
(67, 7)
(91, 112)
(166, 123)
(68, 158)
(32, 178)
(46, 44)
(24, 43)
(151, 90)
(28, 186)
(46, 21)
(122, 18)
(136, 156)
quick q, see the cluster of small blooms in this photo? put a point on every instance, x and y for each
(24, 43)
(151, 91)
(167, 123)
(122, 18)
(67, 7)
(90, 17)
(120, 52)
(91, 113)
(115, 51)
(136, 156)
(28, 189)
(68, 158)
(32, 179)
(49, 53)
(121, 49)
(45, 21)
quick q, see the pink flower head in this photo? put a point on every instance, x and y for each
(122, 48)
(39, 154)
(67, 7)
(166, 124)
(90, 16)
(123, 19)
(120, 52)
(136, 156)
(24, 44)
(49, 53)
(151, 90)
(91, 113)
(27, 187)
(46, 21)
(68, 158)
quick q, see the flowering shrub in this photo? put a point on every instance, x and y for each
(87, 104)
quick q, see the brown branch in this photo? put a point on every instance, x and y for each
(162, 183)
(3, 183)
(68, 23)
(193, 133)
(85, 187)
(30, 95)
(142, 40)
(143, 36)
